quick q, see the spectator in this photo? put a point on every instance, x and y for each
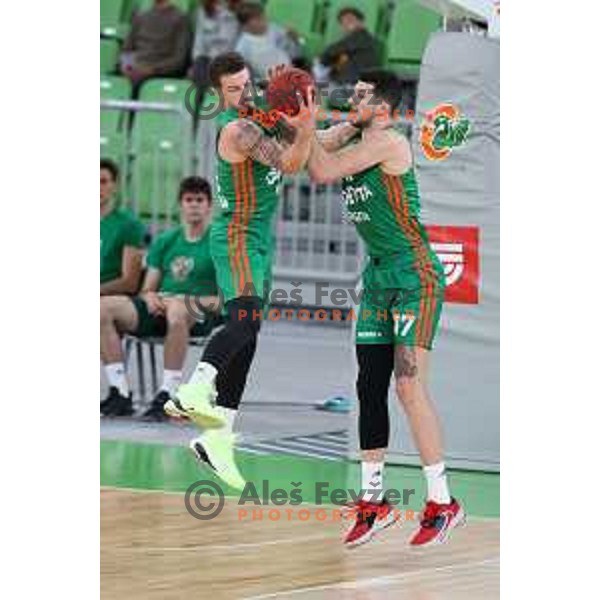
(179, 266)
(121, 239)
(217, 31)
(356, 52)
(158, 44)
(262, 44)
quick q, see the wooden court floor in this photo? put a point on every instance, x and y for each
(151, 548)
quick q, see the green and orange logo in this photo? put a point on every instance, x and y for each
(443, 130)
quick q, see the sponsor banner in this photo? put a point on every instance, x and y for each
(443, 129)
(458, 251)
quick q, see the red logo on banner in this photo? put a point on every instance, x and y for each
(458, 251)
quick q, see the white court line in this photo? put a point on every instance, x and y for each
(252, 450)
(294, 452)
(297, 445)
(373, 581)
(212, 547)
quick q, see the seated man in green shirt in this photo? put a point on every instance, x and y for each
(121, 239)
(179, 266)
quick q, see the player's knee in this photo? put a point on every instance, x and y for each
(246, 315)
(407, 390)
(107, 316)
(178, 319)
(373, 418)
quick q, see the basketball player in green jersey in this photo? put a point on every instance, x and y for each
(403, 289)
(251, 157)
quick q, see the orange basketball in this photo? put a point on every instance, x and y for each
(282, 91)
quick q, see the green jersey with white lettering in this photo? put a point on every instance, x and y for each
(386, 211)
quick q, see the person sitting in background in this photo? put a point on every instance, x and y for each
(355, 53)
(262, 44)
(179, 266)
(121, 238)
(217, 31)
(158, 44)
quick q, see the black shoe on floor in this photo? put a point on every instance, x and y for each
(116, 405)
(156, 411)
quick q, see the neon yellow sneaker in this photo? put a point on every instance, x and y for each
(196, 402)
(216, 449)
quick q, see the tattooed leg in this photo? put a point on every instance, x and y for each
(410, 370)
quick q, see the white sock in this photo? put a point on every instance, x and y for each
(117, 377)
(203, 373)
(171, 380)
(437, 483)
(372, 481)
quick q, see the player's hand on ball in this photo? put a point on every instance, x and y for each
(276, 71)
(305, 120)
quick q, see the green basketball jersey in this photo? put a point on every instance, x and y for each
(186, 267)
(386, 211)
(246, 194)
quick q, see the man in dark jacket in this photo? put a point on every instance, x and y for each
(158, 44)
(355, 53)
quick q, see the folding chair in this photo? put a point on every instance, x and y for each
(132, 342)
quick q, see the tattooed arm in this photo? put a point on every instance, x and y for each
(337, 136)
(327, 167)
(245, 139)
(286, 131)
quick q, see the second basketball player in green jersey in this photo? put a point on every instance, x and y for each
(402, 298)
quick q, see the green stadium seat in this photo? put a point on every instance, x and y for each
(151, 127)
(410, 29)
(112, 22)
(110, 12)
(127, 12)
(306, 18)
(113, 144)
(109, 53)
(156, 173)
(165, 90)
(113, 88)
(370, 8)
(110, 120)
(184, 5)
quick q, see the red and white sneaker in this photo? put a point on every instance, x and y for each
(369, 518)
(437, 521)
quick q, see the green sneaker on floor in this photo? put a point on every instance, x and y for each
(195, 401)
(216, 449)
